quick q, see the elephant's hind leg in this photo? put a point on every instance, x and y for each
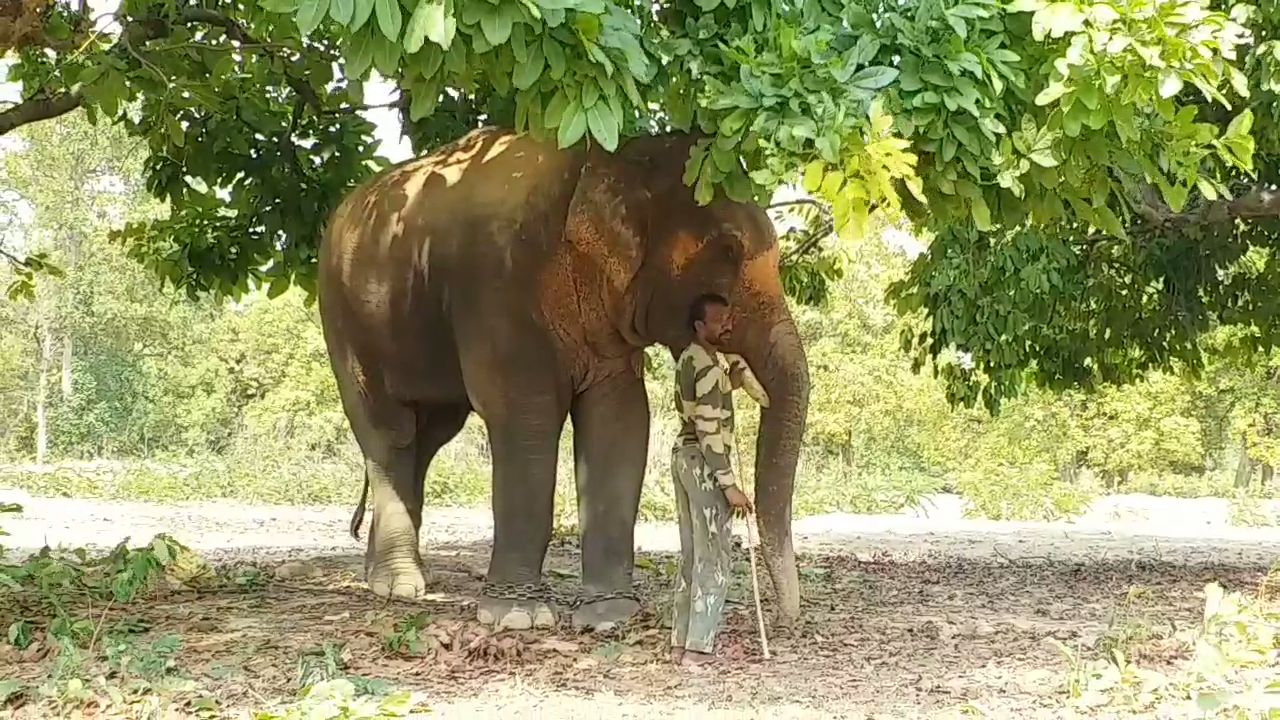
(393, 563)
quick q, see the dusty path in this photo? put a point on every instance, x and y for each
(1180, 532)
(915, 615)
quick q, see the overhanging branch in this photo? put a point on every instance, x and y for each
(816, 235)
(39, 108)
(44, 106)
(13, 259)
(1259, 203)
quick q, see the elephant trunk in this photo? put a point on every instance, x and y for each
(784, 372)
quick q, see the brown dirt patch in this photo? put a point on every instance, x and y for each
(883, 637)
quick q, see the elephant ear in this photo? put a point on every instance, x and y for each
(608, 216)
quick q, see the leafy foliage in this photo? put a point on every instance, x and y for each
(1093, 177)
(339, 700)
(1231, 673)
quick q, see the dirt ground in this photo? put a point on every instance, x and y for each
(904, 616)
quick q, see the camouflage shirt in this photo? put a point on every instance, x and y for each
(704, 402)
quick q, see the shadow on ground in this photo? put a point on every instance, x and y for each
(903, 638)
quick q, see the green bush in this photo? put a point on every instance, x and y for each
(1021, 493)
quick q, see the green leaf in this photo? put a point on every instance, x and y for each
(590, 93)
(1175, 196)
(389, 18)
(813, 176)
(1109, 222)
(363, 10)
(1170, 83)
(342, 10)
(1057, 19)
(1051, 94)
(874, 78)
(177, 135)
(704, 191)
(693, 166)
(430, 20)
(603, 125)
(1043, 158)
(442, 25)
(554, 55)
(865, 51)
(359, 54)
(310, 14)
(554, 115)
(275, 290)
(1004, 55)
(386, 54)
(981, 213)
(496, 26)
(280, 6)
(760, 12)
(1241, 125)
(1239, 82)
(527, 73)
(423, 102)
(572, 126)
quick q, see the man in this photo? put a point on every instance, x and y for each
(706, 488)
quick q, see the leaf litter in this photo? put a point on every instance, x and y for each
(882, 636)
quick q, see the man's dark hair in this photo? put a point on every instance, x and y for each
(698, 309)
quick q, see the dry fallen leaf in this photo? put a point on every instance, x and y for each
(563, 647)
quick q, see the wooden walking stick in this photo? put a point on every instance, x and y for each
(755, 582)
(751, 552)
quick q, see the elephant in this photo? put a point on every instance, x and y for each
(504, 276)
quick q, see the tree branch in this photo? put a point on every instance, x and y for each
(1259, 203)
(236, 32)
(39, 108)
(14, 259)
(44, 106)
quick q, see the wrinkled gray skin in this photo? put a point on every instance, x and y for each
(508, 278)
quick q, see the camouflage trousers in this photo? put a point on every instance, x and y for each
(705, 545)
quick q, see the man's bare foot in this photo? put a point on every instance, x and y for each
(677, 654)
(697, 659)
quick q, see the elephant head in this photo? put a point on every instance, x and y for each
(654, 249)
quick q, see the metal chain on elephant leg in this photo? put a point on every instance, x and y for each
(516, 591)
(604, 595)
(543, 592)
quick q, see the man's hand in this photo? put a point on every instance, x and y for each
(740, 376)
(739, 503)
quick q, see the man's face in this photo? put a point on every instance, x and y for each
(714, 330)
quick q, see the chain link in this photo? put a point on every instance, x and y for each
(542, 592)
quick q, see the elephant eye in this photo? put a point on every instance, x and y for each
(730, 241)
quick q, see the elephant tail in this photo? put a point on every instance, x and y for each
(357, 517)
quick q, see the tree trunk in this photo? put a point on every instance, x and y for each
(42, 397)
(73, 259)
(66, 366)
(1268, 474)
(1244, 466)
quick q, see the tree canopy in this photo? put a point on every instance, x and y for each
(1095, 179)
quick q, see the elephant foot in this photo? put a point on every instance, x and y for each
(504, 614)
(605, 615)
(402, 581)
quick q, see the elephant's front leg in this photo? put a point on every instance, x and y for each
(524, 446)
(611, 445)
